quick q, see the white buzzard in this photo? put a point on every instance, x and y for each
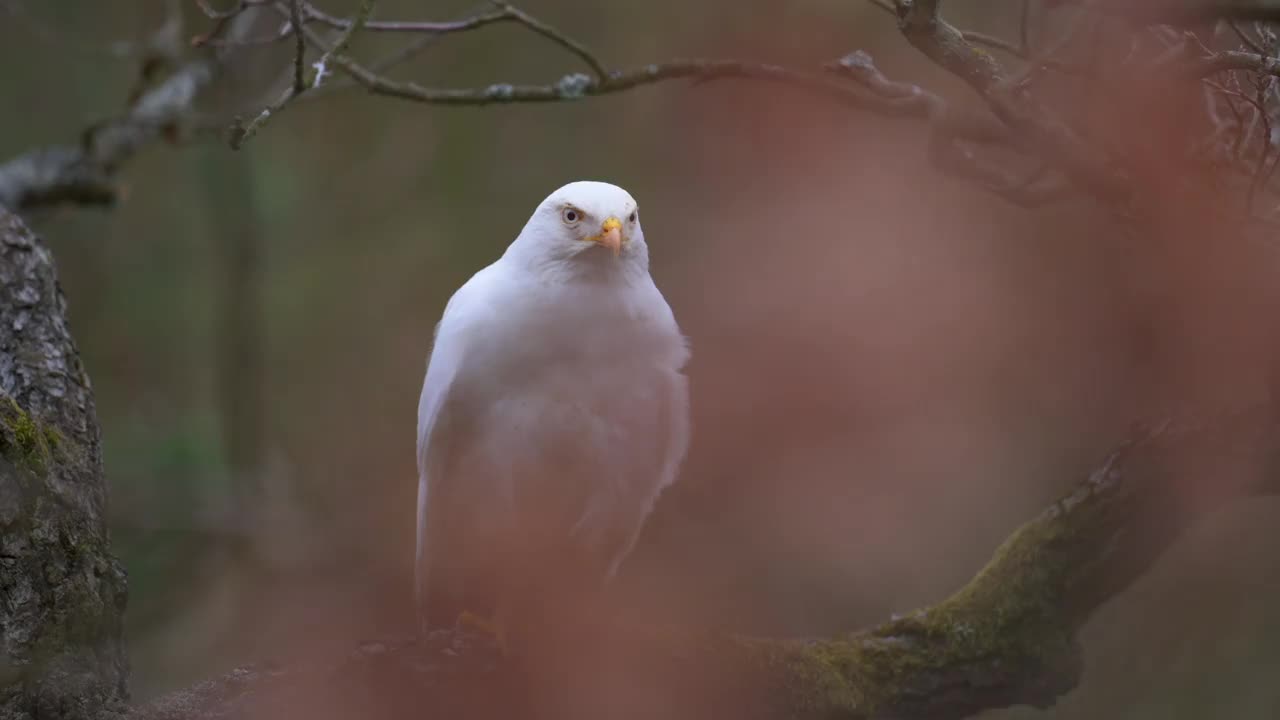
(553, 413)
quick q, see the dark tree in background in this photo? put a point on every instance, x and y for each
(242, 381)
(1161, 114)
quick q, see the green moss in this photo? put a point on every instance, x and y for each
(1014, 619)
(822, 676)
(24, 440)
(847, 677)
(1010, 612)
(52, 438)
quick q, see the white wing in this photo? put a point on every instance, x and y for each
(447, 355)
(650, 460)
(672, 445)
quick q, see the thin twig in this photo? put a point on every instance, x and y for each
(945, 149)
(221, 18)
(391, 60)
(300, 49)
(1024, 31)
(505, 12)
(1244, 37)
(1229, 60)
(241, 133)
(578, 86)
(1230, 96)
(1264, 144)
(410, 26)
(555, 36)
(873, 91)
(240, 6)
(344, 39)
(1084, 164)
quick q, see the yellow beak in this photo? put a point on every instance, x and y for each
(610, 235)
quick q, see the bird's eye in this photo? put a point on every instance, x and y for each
(570, 216)
(632, 216)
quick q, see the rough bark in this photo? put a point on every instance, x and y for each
(62, 594)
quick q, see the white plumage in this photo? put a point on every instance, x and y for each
(553, 412)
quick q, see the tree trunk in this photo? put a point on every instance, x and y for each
(62, 594)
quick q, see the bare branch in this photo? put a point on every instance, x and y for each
(1244, 37)
(242, 133)
(557, 37)
(577, 86)
(948, 129)
(222, 18)
(1036, 126)
(402, 26)
(1024, 31)
(84, 174)
(913, 100)
(340, 45)
(221, 15)
(505, 13)
(1019, 122)
(300, 48)
(1229, 60)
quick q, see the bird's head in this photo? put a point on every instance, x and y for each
(594, 224)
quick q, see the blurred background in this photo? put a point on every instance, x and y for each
(891, 369)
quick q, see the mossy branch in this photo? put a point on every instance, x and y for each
(24, 440)
(1008, 637)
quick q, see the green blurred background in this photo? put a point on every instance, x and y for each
(891, 369)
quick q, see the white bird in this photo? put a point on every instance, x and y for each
(553, 413)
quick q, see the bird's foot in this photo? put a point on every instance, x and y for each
(493, 627)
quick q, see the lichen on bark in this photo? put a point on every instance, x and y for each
(62, 594)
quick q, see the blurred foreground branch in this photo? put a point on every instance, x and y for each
(1006, 638)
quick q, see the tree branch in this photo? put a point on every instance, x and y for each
(1037, 128)
(1229, 60)
(84, 174)
(241, 133)
(1063, 158)
(300, 47)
